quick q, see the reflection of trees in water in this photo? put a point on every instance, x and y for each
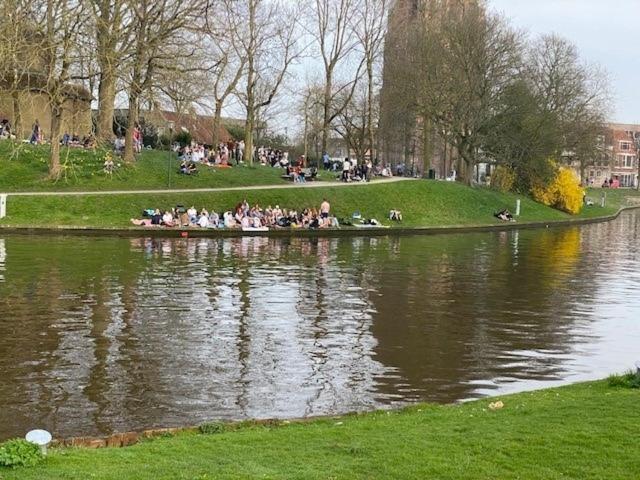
(54, 292)
(476, 308)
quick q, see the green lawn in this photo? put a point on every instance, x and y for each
(24, 167)
(586, 431)
(423, 203)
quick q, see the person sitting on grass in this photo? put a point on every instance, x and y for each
(203, 220)
(395, 215)
(214, 219)
(168, 219)
(505, 216)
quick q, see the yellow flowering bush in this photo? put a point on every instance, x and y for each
(563, 192)
(503, 179)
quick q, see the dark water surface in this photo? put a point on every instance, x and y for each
(103, 335)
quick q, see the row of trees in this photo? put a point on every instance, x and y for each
(191, 55)
(488, 92)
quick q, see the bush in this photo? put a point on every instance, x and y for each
(19, 453)
(212, 428)
(563, 192)
(503, 179)
(628, 380)
(183, 138)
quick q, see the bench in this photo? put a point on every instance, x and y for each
(310, 175)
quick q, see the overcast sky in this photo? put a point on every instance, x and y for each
(605, 31)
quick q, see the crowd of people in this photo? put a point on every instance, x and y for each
(243, 216)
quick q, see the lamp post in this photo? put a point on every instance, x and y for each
(637, 139)
(170, 157)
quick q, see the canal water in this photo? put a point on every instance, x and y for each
(111, 334)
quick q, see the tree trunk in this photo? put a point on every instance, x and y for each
(427, 147)
(370, 109)
(129, 154)
(248, 138)
(306, 134)
(106, 102)
(55, 169)
(326, 114)
(217, 122)
(17, 115)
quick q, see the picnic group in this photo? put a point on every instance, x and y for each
(243, 216)
(195, 154)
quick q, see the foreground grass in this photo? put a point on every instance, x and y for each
(423, 203)
(586, 431)
(24, 167)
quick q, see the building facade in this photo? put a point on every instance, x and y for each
(620, 163)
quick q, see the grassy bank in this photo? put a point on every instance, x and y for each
(423, 203)
(586, 431)
(24, 167)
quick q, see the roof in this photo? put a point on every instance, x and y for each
(199, 126)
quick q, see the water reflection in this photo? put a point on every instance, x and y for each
(102, 335)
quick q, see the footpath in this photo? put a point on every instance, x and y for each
(209, 190)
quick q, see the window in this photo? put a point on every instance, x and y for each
(591, 174)
(625, 161)
(598, 173)
(625, 146)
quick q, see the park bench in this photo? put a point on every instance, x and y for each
(310, 174)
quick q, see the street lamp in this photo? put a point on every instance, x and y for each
(170, 156)
(637, 139)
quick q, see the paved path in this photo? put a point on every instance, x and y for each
(208, 190)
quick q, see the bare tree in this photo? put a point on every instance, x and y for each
(352, 123)
(111, 26)
(311, 107)
(159, 27)
(269, 45)
(469, 57)
(371, 29)
(60, 24)
(575, 93)
(224, 28)
(333, 30)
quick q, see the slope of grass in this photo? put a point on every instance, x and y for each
(426, 204)
(24, 167)
(423, 203)
(586, 431)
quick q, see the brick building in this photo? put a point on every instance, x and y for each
(620, 161)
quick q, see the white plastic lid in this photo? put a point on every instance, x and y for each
(39, 437)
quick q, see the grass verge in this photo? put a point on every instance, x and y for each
(423, 203)
(585, 431)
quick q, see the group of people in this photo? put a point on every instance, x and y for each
(272, 157)
(88, 141)
(243, 216)
(354, 172)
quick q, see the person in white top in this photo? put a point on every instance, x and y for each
(203, 221)
(346, 166)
